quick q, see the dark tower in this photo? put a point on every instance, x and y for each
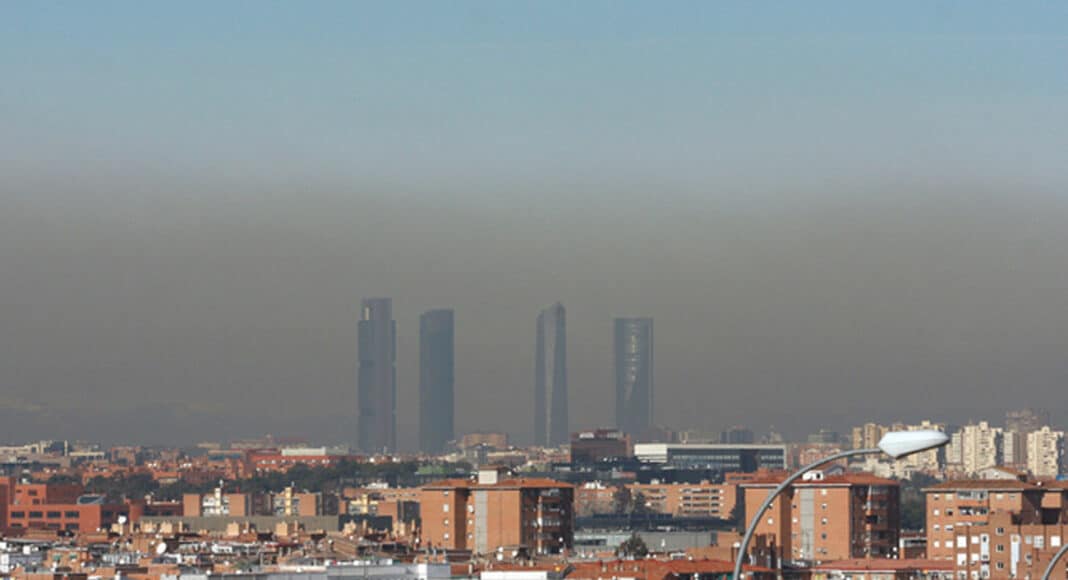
(634, 374)
(550, 378)
(377, 380)
(436, 406)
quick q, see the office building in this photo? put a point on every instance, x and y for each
(633, 340)
(436, 399)
(745, 458)
(592, 447)
(736, 434)
(550, 378)
(377, 380)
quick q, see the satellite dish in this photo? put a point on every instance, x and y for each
(161, 548)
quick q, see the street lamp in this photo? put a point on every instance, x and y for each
(1053, 562)
(897, 445)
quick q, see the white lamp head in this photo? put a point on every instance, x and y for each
(898, 444)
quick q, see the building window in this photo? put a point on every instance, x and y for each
(71, 527)
(1000, 547)
(1001, 565)
(53, 515)
(38, 515)
(72, 515)
(18, 514)
(999, 531)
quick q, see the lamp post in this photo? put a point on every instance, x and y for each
(897, 445)
(1053, 562)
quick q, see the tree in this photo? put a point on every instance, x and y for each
(914, 502)
(633, 547)
(637, 504)
(737, 515)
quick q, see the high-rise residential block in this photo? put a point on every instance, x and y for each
(1026, 420)
(550, 378)
(633, 339)
(1018, 424)
(436, 376)
(377, 380)
(867, 436)
(980, 446)
(1045, 450)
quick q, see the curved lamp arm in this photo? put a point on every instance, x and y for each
(1053, 562)
(771, 498)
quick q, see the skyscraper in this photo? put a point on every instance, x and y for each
(550, 378)
(435, 380)
(377, 380)
(634, 374)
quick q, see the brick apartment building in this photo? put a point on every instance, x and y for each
(55, 507)
(1005, 547)
(288, 502)
(496, 511)
(702, 500)
(997, 528)
(498, 441)
(827, 517)
(280, 461)
(959, 504)
(596, 497)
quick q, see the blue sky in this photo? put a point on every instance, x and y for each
(441, 92)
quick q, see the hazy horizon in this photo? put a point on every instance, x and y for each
(833, 216)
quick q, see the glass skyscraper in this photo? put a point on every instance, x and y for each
(436, 406)
(377, 379)
(550, 378)
(634, 374)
